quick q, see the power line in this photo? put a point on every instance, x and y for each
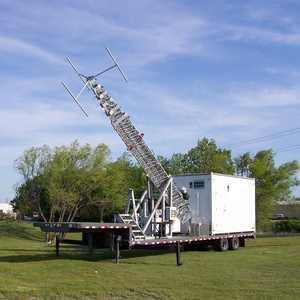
(264, 138)
(287, 148)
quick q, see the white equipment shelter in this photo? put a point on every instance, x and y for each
(220, 203)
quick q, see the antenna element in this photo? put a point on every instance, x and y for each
(87, 79)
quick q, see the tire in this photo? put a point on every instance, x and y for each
(234, 244)
(221, 245)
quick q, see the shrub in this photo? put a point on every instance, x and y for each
(286, 226)
(297, 226)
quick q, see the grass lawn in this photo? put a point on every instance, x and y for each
(264, 269)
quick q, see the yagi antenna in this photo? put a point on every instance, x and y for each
(86, 80)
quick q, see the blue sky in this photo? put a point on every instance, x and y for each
(226, 70)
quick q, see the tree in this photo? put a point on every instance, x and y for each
(174, 165)
(272, 184)
(76, 173)
(206, 157)
(31, 166)
(22, 203)
(59, 182)
(242, 164)
(135, 176)
(108, 198)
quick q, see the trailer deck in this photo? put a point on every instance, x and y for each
(113, 235)
(190, 239)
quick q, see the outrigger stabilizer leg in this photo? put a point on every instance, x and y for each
(117, 245)
(179, 263)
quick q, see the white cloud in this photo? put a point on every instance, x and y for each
(261, 97)
(253, 33)
(22, 48)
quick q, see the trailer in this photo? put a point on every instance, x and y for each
(223, 217)
(195, 210)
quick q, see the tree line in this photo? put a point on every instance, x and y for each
(82, 183)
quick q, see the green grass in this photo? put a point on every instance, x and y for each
(264, 269)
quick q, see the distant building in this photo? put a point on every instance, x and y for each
(6, 210)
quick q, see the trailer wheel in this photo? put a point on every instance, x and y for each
(234, 243)
(221, 245)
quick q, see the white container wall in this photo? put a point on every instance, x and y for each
(226, 203)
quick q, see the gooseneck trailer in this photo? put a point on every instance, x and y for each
(192, 210)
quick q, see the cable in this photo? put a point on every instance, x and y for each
(287, 148)
(264, 138)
